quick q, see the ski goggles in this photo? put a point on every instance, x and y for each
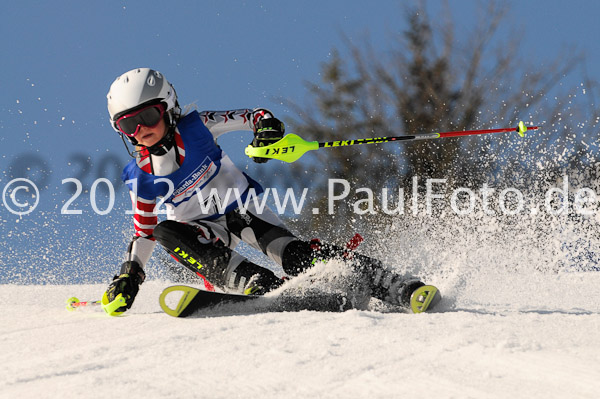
(149, 116)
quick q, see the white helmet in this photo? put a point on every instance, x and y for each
(139, 87)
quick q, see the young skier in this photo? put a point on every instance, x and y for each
(178, 163)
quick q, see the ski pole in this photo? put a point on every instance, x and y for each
(291, 147)
(74, 303)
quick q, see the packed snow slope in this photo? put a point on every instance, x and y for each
(499, 335)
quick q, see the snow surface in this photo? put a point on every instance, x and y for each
(502, 336)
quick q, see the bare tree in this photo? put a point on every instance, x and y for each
(429, 82)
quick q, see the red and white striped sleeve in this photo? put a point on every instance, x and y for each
(144, 222)
(144, 218)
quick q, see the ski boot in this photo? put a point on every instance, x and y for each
(406, 291)
(261, 283)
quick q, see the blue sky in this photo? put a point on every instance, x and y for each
(59, 58)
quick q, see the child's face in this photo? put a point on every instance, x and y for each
(148, 136)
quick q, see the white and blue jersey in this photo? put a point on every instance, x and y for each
(206, 176)
(195, 179)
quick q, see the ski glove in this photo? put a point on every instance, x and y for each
(127, 284)
(266, 132)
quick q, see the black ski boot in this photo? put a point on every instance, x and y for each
(251, 279)
(402, 290)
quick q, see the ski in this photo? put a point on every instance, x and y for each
(194, 300)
